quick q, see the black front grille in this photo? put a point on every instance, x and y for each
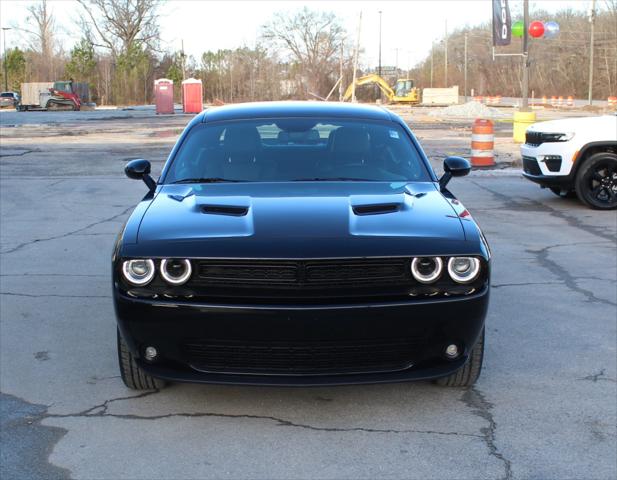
(302, 358)
(530, 166)
(265, 273)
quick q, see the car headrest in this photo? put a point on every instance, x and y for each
(241, 139)
(353, 140)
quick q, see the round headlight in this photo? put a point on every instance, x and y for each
(139, 271)
(176, 271)
(463, 269)
(426, 269)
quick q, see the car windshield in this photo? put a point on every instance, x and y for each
(297, 149)
(6, 94)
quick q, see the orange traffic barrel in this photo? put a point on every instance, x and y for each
(553, 101)
(612, 101)
(560, 101)
(570, 102)
(544, 100)
(482, 143)
(477, 99)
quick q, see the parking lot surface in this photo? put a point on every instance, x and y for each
(544, 407)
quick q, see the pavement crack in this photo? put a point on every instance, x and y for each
(18, 154)
(68, 234)
(480, 407)
(569, 279)
(539, 206)
(42, 295)
(501, 285)
(598, 377)
(102, 410)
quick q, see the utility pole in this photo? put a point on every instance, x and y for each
(6, 68)
(465, 75)
(432, 55)
(446, 58)
(183, 62)
(592, 20)
(379, 68)
(525, 106)
(340, 83)
(355, 61)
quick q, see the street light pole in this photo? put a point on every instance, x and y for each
(432, 54)
(379, 69)
(446, 58)
(6, 70)
(465, 76)
(592, 19)
(525, 106)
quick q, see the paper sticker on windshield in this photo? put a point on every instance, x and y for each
(393, 134)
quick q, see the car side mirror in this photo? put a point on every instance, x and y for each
(140, 170)
(454, 167)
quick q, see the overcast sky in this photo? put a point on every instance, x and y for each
(410, 26)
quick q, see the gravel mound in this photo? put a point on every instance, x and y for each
(468, 110)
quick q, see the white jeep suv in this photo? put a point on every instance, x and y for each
(574, 155)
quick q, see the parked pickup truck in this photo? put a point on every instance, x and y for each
(574, 156)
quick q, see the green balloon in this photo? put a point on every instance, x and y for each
(517, 29)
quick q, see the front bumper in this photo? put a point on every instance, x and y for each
(431, 323)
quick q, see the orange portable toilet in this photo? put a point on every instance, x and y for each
(192, 95)
(164, 95)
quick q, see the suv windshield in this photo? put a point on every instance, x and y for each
(297, 149)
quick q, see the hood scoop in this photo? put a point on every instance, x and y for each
(230, 210)
(376, 209)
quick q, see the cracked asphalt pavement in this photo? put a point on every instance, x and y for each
(544, 407)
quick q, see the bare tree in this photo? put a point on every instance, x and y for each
(120, 25)
(312, 40)
(42, 39)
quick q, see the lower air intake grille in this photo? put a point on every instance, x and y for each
(530, 166)
(279, 358)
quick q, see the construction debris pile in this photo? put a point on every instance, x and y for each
(468, 110)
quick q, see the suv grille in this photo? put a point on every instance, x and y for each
(302, 358)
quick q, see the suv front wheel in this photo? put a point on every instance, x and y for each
(596, 181)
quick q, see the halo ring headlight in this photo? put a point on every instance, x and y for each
(176, 271)
(426, 269)
(139, 271)
(463, 269)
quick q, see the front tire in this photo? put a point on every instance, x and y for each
(467, 375)
(133, 376)
(596, 181)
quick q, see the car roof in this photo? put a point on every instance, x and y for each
(240, 111)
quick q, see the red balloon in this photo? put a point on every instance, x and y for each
(536, 29)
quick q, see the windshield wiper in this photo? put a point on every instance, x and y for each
(207, 180)
(332, 179)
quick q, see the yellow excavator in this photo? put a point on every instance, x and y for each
(402, 92)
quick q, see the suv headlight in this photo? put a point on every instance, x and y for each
(139, 272)
(564, 137)
(464, 269)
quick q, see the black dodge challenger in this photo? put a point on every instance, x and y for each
(299, 244)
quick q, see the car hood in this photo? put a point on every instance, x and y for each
(567, 125)
(298, 219)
